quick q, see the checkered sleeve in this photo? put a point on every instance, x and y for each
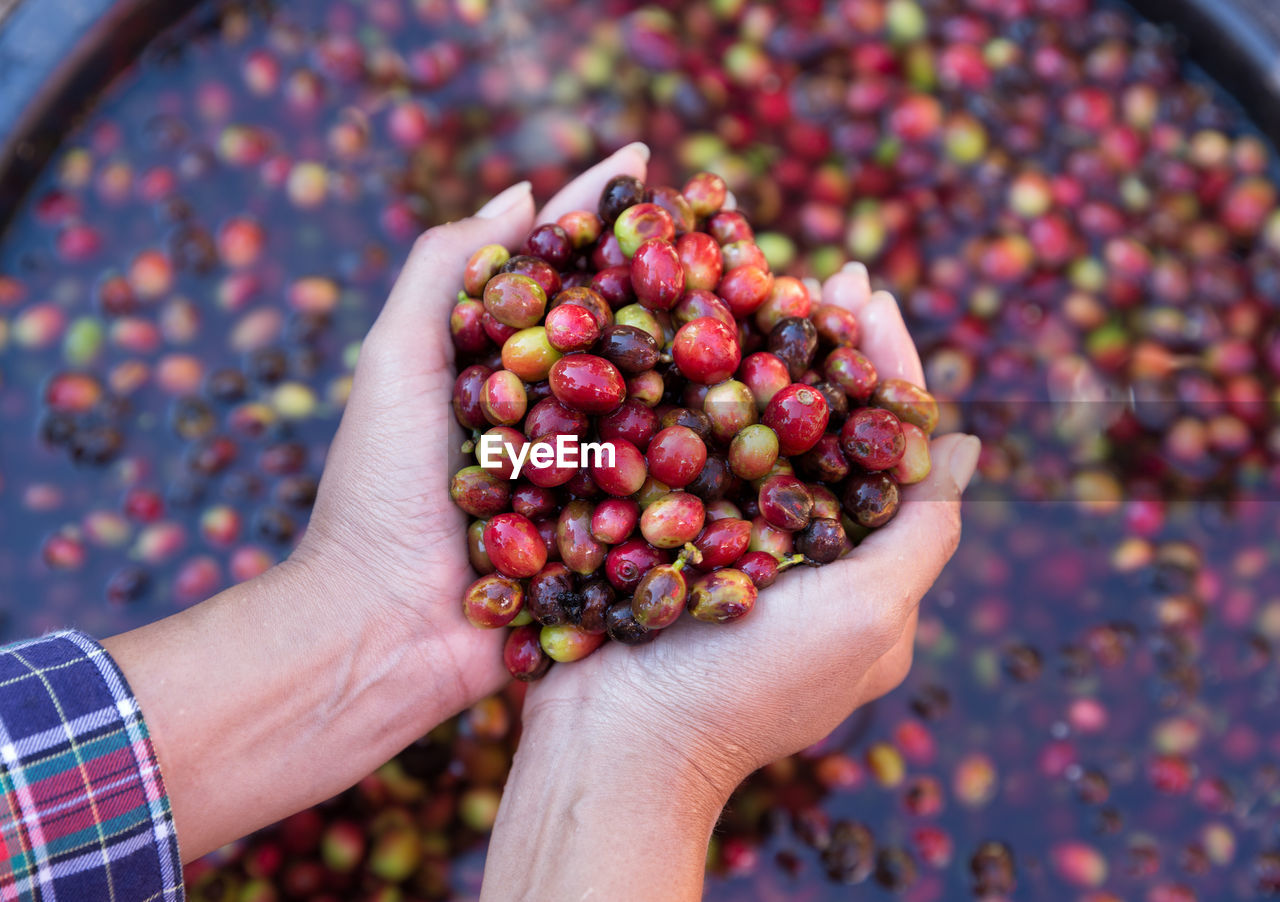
(85, 816)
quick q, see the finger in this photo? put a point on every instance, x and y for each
(583, 193)
(905, 557)
(850, 288)
(886, 342)
(428, 285)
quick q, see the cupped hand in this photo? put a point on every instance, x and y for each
(820, 642)
(383, 527)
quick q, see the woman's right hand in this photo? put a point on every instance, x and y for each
(641, 746)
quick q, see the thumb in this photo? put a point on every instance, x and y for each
(416, 315)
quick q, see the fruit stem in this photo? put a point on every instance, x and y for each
(788, 562)
(690, 554)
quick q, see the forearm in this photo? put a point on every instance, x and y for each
(272, 696)
(587, 816)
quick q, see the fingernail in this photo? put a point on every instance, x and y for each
(855, 266)
(964, 460)
(638, 147)
(504, 201)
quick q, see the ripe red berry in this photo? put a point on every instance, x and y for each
(514, 545)
(798, 414)
(706, 351)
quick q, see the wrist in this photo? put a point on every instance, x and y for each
(379, 655)
(644, 763)
(593, 811)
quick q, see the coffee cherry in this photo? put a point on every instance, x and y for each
(550, 417)
(697, 304)
(614, 285)
(836, 326)
(744, 289)
(514, 545)
(675, 204)
(630, 349)
(722, 542)
(850, 369)
(672, 520)
(492, 601)
(582, 227)
(540, 271)
(571, 327)
(549, 595)
(823, 540)
(871, 499)
(676, 455)
(873, 439)
(509, 441)
(515, 300)
(722, 596)
(551, 243)
(621, 192)
(713, 480)
(589, 300)
(483, 265)
(785, 503)
(760, 567)
(625, 564)
(793, 341)
(706, 351)
(660, 597)
(753, 452)
(731, 409)
(529, 354)
(798, 415)
(597, 597)
(566, 642)
(523, 655)
(765, 375)
(706, 193)
(908, 402)
(701, 260)
(480, 492)
(825, 461)
(614, 519)
(587, 383)
(580, 552)
(656, 274)
(632, 422)
(533, 501)
(503, 399)
(466, 326)
(916, 461)
(621, 625)
(641, 222)
(788, 299)
(467, 389)
(628, 472)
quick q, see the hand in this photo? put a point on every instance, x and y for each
(383, 524)
(284, 690)
(659, 735)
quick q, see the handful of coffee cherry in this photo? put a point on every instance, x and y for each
(660, 424)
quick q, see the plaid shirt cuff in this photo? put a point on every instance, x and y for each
(85, 814)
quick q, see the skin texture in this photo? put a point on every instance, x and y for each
(660, 735)
(280, 692)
